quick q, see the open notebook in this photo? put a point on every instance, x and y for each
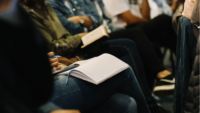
(94, 36)
(97, 69)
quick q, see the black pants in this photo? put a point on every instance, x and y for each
(151, 62)
(159, 30)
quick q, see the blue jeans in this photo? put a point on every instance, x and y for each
(126, 50)
(87, 97)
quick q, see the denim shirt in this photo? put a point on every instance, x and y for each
(79, 9)
(92, 6)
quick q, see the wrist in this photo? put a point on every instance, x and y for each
(81, 21)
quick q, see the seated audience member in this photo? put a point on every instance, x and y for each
(153, 66)
(151, 99)
(77, 22)
(143, 44)
(26, 81)
(136, 13)
(39, 82)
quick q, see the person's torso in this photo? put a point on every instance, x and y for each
(51, 23)
(133, 5)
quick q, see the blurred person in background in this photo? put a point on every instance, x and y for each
(136, 13)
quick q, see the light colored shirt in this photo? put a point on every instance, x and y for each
(101, 16)
(188, 8)
(116, 7)
(164, 7)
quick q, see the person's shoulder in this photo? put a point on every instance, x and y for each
(27, 9)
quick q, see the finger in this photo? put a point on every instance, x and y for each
(55, 64)
(52, 60)
(50, 54)
(60, 67)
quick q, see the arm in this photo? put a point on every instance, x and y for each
(76, 20)
(69, 43)
(72, 27)
(145, 11)
(129, 18)
(93, 16)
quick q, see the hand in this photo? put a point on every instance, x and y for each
(75, 19)
(61, 66)
(65, 111)
(82, 34)
(54, 61)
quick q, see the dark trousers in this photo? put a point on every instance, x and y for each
(159, 30)
(151, 62)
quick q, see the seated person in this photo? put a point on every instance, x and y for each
(98, 7)
(115, 45)
(153, 66)
(38, 89)
(136, 13)
(77, 22)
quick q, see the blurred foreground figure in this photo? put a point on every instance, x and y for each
(22, 62)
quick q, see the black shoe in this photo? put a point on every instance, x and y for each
(169, 77)
(164, 88)
(164, 83)
(158, 109)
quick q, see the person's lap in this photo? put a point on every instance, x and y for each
(78, 94)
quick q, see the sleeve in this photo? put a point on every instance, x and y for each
(48, 107)
(116, 7)
(69, 25)
(96, 21)
(67, 44)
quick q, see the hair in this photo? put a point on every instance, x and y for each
(32, 3)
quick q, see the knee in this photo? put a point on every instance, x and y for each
(127, 103)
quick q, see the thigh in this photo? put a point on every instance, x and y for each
(78, 94)
(82, 95)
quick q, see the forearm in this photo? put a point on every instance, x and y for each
(87, 21)
(129, 18)
(145, 11)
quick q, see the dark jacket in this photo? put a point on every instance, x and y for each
(192, 99)
(185, 55)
